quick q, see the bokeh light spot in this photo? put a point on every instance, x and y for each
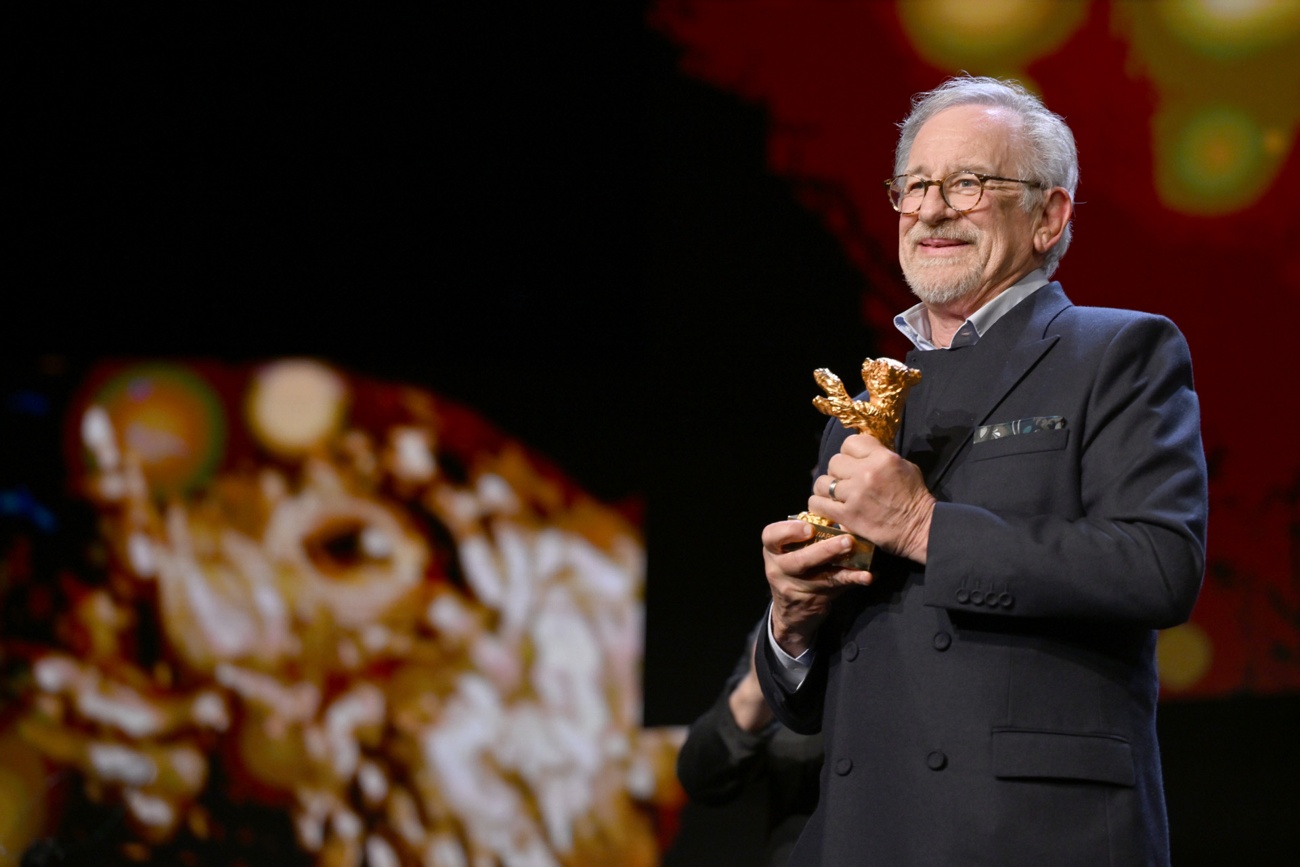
(170, 419)
(1276, 143)
(1229, 28)
(999, 32)
(294, 405)
(22, 787)
(1215, 161)
(1183, 656)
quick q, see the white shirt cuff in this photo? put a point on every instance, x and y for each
(792, 669)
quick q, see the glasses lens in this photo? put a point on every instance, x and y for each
(962, 191)
(907, 192)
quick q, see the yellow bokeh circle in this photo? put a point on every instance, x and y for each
(1183, 655)
(996, 33)
(1216, 160)
(169, 419)
(1229, 28)
(296, 404)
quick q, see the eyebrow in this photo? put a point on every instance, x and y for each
(966, 168)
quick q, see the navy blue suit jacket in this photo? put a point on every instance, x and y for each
(997, 705)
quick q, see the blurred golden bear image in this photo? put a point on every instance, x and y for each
(331, 621)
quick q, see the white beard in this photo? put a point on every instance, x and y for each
(932, 287)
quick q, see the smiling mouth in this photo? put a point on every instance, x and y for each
(940, 246)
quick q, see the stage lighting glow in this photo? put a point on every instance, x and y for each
(1228, 28)
(1214, 161)
(1183, 656)
(23, 785)
(1001, 32)
(170, 420)
(295, 404)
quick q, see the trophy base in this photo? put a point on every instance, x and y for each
(859, 557)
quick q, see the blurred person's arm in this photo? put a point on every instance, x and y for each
(726, 748)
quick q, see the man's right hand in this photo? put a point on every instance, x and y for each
(804, 580)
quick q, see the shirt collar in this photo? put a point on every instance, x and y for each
(915, 324)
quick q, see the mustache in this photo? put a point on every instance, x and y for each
(919, 233)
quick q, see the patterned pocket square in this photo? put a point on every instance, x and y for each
(1003, 429)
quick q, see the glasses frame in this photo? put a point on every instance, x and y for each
(926, 184)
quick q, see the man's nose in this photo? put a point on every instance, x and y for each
(933, 207)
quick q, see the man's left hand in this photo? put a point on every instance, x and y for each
(878, 496)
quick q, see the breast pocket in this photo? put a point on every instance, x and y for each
(1021, 444)
(1021, 475)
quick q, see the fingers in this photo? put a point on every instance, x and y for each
(791, 559)
(805, 579)
(858, 453)
(830, 487)
(857, 459)
(779, 536)
(881, 497)
(836, 509)
(861, 446)
(788, 540)
(842, 576)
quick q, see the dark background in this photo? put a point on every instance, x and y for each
(532, 211)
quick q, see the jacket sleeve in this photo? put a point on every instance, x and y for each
(1124, 540)
(719, 759)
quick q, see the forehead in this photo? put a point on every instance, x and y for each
(977, 137)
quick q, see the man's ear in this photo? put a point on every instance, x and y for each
(1056, 213)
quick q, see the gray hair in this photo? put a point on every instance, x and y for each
(1050, 155)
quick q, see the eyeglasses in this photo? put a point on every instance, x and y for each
(961, 191)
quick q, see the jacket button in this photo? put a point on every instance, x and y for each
(963, 596)
(1006, 600)
(843, 766)
(942, 641)
(936, 761)
(850, 651)
(977, 597)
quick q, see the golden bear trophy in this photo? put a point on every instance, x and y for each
(888, 382)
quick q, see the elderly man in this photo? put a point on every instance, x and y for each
(987, 692)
